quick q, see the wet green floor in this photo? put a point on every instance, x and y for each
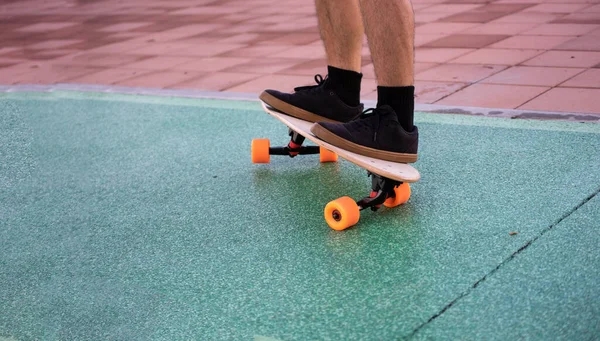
(129, 217)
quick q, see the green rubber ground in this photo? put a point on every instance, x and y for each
(142, 218)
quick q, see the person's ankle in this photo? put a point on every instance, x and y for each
(402, 101)
(345, 84)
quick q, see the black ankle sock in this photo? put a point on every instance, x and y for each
(402, 100)
(345, 83)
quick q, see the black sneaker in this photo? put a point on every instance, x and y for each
(376, 133)
(315, 103)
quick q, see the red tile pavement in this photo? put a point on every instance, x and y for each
(532, 75)
(565, 99)
(497, 56)
(493, 95)
(587, 79)
(527, 54)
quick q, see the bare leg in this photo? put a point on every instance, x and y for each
(391, 33)
(341, 28)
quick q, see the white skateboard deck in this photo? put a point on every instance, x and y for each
(394, 170)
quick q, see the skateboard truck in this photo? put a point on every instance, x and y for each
(261, 149)
(294, 147)
(381, 189)
(344, 212)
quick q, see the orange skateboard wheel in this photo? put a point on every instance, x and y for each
(260, 151)
(402, 195)
(327, 156)
(342, 213)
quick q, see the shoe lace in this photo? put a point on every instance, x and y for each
(318, 79)
(369, 120)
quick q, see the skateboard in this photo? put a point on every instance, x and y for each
(389, 180)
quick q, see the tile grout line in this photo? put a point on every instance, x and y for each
(504, 262)
(534, 97)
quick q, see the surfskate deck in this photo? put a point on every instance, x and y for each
(390, 180)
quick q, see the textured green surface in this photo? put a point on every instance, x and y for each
(549, 292)
(130, 217)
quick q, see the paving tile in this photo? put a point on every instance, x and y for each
(438, 55)
(419, 67)
(50, 74)
(422, 39)
(499, 29)
(205, 50)
(97, 59)
(157, 26)
(7, 62)
(584, 43)
(424, 18)
(459, 73)
(493, 96)
(208, 10)
(528, 18)
(265, 65)
(531, 42)
(591, 9)
(44, 27)
(557, 8)
(217, 81)
(108, 76)
(533, 75)
(595, 33)
(444, 28)
(508, 8)
(10, 72)
(588, 79)
(185, 31)
(159, 79)
(242, 28)
(565, 59)
(236, 18)
(159, 48)
(4, 50)
(450, 8)
(53, 44)
(290, 39)
(561, 29)
(271, 20)
(298, 52)
(124, 26)
(474, 17)
(466, 41)
(56, 53)
(211, 64)
(497, 56)
(126, 35)
(430, 92)
(580, 18)
(120, 47)
(309, 68)
(566, 99)
(96, 43)
(279, 82)
(159, 63)
(255, 51)
(243, 38)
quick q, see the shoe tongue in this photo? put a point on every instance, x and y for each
(385, 110)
